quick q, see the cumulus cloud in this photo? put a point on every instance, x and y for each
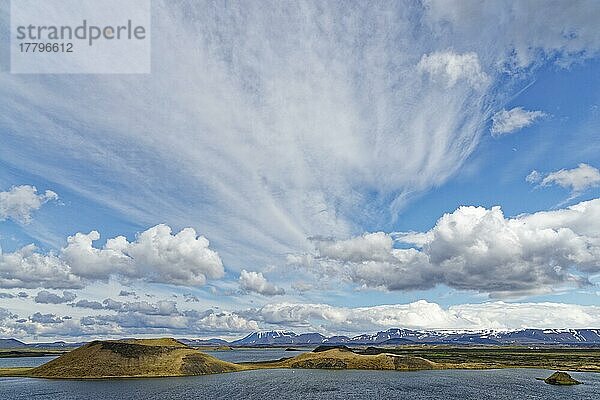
(451, 68)
(52, 326)
(305, 317)
(188, 322)
(577, 179)
(373, 246)
(427, 315)
(20, 201)
(162, 317)
(94, 305)
(26, 268)
(251, 281)
(224, 321)
(509, 121)
(46, 318)
(46, 297)
(190, 298)
(162, 307)
(474, 248)
(155, 256)
(6, 314)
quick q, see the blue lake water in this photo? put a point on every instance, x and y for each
(303, 384)
(313, 384)
(24, 361)
(241, 355)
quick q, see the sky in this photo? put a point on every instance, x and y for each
(332, 167)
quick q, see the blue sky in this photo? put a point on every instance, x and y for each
(317, 148)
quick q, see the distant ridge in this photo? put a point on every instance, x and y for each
(395, 336)
(204, 342)
(11, 344)
(279, 337)
(407, 336)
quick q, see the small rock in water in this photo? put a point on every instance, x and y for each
(561, 378)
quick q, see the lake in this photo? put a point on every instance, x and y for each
(10, 362)
(304, 384)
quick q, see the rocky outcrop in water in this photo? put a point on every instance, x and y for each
(561, 378)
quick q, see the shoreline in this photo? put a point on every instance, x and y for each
(23, 372)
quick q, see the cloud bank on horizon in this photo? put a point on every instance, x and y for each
(265, 168)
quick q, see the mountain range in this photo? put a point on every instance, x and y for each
(408, 336)
(394, 336)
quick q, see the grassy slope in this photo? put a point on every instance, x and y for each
(132, 358)
(342, 359)
(16, 371)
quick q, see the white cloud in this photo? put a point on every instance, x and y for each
(519, 34)
(577, 179)
(305, 317)
(371, 246)
(509, 121)
(426, 315)
(46, 318)
(46, 297)
(26, 268)
(94, 305)
(251, 281)
(534, 177)
(162, 307)
(143, 317)
(155, 256)
(452, 68)
(302, 152)
(20, 201)
(227, 322)
(477, 249)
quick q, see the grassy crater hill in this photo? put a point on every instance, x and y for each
(343, 358)
(132, 358)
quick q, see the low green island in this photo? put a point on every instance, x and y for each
(137, 358)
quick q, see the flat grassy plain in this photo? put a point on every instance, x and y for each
(467, 357)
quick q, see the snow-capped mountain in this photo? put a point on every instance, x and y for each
(407, 336)
(279, 337)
